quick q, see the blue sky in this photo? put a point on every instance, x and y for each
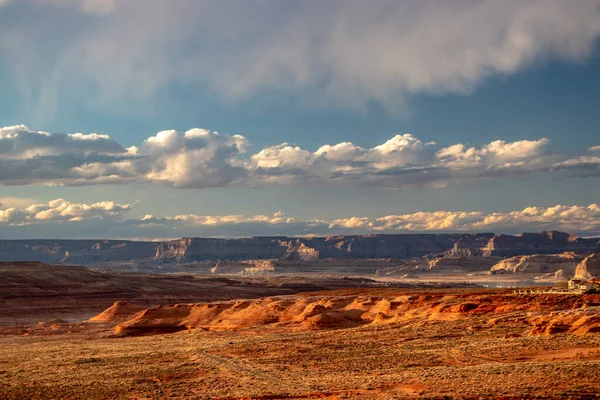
(508, 91)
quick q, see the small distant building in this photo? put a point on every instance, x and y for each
(582, 286)
(572, 286)
(575, 283)
(592, 284)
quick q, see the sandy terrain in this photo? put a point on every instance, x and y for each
(454, 343)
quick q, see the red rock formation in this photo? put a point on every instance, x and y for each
(548, 313)
(120, 311)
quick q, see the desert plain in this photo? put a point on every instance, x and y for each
(286, 338)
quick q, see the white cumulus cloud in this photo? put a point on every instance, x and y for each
(61, 210)
(200, 158)
(61, 218)
(196, 158)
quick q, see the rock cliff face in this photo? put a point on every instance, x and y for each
(589, 267)
(470, 245)
(75, 251)
(246, 267)
(551, 242)
(540, 263)
(190, 250)
(194, 249)
(384, 246)
(462, 263)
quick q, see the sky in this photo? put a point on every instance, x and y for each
(152, 119)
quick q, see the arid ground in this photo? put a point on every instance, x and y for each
(349, 343)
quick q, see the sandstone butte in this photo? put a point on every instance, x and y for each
(589, 267)
(541, 263)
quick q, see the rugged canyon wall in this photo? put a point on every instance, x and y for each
(551, 242)
(401, 247)
(75, 251)
(470, 245)
(543, 263)
(462, 263)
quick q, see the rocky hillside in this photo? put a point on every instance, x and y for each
(190, 250)
(536, 315)
(543, 263)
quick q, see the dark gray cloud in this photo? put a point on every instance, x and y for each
(128, 50)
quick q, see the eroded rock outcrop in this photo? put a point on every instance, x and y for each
(471, 245)
(245, 267)
(579, 321)
(462, 263)
(589, 267)
(294, 312)
(540, 263)
(120, 311)
(302, 252)
(543, 314)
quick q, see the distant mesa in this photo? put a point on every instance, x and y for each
(451, 249)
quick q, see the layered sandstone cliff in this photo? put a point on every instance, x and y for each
(542, 263)
(471, 245)
(75, 251)
(551, 242)
(462, 263)
(450, 246)
(589, 267)
(245, 267)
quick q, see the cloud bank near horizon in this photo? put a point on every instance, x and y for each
(200, 158)
(320, 51)
(107, 219)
